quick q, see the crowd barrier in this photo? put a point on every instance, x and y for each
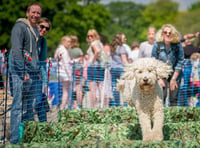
(189, 92)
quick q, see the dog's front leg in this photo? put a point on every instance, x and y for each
(145, 123)
(158, 119)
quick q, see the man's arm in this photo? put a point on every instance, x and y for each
(17, 41)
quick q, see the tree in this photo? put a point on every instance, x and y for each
(188, 21)
(68, 17)
(10, 10)
(77, 20)
(195, 6)
(123, 19)
(156, 14)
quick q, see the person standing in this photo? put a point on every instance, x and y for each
(105, 43)
(95, 71)
(107, 76)
(134, 51)
(64, 70)
(145, 48)
(126, 46)
(44, 25)
(24, 68)
(76, 55)
(168, 49)
(119, 57)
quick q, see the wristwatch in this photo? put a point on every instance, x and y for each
(173, 78)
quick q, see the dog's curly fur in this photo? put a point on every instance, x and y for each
(139, 87)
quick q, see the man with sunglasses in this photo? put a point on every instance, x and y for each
(167, 48)
(24, 68)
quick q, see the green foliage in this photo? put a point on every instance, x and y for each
(156, 14)
(119, 126)
(124, 16)
(195, 6)
(71, 18)
(160, 12)
(112, 144)
(126, 115)
(10, 10)
(98, 116)
(192, 22)
(125, 13)
(67, 17)
(76, 17)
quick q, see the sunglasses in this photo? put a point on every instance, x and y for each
(167, 32)
(42, 27)
(89, 36)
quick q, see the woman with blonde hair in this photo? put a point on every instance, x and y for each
(95, 72)
(167, 48)
(64, 69)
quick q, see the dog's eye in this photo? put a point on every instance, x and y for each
(150, 70)
(140, 71)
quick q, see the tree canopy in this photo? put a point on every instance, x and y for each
(78, 16)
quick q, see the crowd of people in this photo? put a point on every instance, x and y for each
(166, 44)
(93, 74)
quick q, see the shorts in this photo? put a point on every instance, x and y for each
(95, 73)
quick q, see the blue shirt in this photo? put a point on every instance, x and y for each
(174, 55)
(116, 58)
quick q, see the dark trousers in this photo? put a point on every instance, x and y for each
(173, 95)
(41, 103)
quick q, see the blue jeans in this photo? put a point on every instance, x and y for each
(116, 74)
(22, 106)
(40, 105)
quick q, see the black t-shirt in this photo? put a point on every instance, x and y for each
(189, 50)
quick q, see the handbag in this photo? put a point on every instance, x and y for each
(103, 56)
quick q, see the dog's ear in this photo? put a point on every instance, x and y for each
(163, 70)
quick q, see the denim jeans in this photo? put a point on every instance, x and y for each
(40, 103)
(116, 74)
(22, 106)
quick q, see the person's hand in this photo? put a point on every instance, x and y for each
(173, 84)
(26, 77)
(161, 83)
(197, 34)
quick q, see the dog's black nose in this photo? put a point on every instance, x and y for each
(145, 79)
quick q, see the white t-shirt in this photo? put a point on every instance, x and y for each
(134, 55)
(145, 50)
(128, 49)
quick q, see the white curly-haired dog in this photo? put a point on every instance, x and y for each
(139, 87)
